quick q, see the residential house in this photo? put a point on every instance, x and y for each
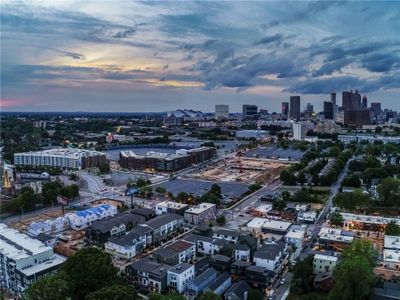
(271, 255)
(179, 276)
(148, 275)
(100, 231)
(164, 226)
(258, 276)
(177, 252)
(200, 283)
(144, 212)
(238, 291)
(324, 281)
(129, 245)
(220, 284)
(323, 263)
(220, 262)
(227, 235)
(171, 207)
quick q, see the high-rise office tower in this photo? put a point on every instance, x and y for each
(294, 109)
(333, 100)
(285, 108)
(350, 100)
(221, 111)
(249, 110)
(376, 108)
(364, 102)
(310, 108)
(328, 110)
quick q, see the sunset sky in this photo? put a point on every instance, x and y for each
(155, 56)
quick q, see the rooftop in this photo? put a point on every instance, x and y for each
(180, 246)
(106, 225)
(392, 242)
(182, 267)
(63, 152)
(164, 219)
(171, 204)
(200, 208)
(326, 257)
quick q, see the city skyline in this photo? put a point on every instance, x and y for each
(160, 56)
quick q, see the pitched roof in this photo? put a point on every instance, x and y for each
(180, 268)
(219, 281)
(127, 239)
(238, 289)
(269, 251)
(205, 275)
(164, 219)
(227, 232)
(106, 225)
(180, 246)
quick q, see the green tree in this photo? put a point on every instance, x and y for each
(336, 219)
(354, 279)
(50, 287)
(255, 294)
(363, 248)
(287, 177)
(389, 191)
(209, 296)
(89, 270)
(182, 197)
(104, 168)
(352, 201)
(114, 292)
(221, 220)
(216, 190)
(279, 204)
(255, 186)
(160, 190)
(168, 296)
(352, 181)
(392, 228)
(302, 281)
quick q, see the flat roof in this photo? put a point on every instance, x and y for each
(275, 224)
(55, 261)
(326, 257)
(334, 234)
(18, 242)
(391, 255)
(171, 204)
(63, 152)
(369, 219)
(295, 234)
(392, 242)
(200, 208)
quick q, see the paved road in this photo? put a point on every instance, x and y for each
(316, 227)
(94, 183)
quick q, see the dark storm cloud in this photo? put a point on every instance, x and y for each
(270, 39)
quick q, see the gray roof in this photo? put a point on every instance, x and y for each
(106, 225)
(195, 237)
(148, 266)
(239, 288)
(203, 276)
(269, 251)
(219, 281)
(165, 252)
(227, 232)
(241, 263)
(221, 257)
(142, 211)
(43, 237)
(182, 267)
(164, 219)
(127, 239)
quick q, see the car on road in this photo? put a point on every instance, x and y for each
(283, 281)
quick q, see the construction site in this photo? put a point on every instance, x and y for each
(243, 169)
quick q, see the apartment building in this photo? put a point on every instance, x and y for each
(68, 158)
(200, 214)
(24, 260)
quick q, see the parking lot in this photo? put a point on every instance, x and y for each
(275, 153)
(232, 190)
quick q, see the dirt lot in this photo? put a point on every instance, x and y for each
(23, 224)
(75, 242)
(243, 170)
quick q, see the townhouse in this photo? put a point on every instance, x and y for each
(271, 255)
(179, 276)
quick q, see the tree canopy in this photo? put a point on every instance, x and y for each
(114, 292)
(392, 228)
(84, 273)
(389, 191)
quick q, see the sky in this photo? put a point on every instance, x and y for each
(145, 56)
